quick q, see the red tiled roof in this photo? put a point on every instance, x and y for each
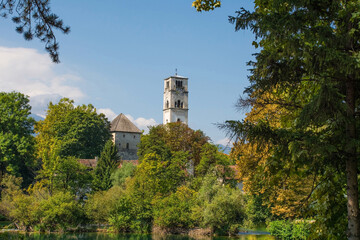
(91, 163)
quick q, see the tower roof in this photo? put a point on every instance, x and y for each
(122, 124)
(177, 76)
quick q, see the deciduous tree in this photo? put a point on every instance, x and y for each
(16, 140)
(80, 130)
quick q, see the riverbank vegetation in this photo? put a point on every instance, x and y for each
(182, 184)
(182, 181)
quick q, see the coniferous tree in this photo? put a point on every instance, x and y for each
(35, 19)
(106, 165)
(310, 52)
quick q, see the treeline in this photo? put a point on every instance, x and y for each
(182, 181)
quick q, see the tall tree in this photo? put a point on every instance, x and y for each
(106, 166)
(80, 130)
(34, 18)
(282, 186)
(317, 43)
(16, 140)
(174, 137)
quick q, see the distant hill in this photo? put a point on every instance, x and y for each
(225, 149)
(36, 117)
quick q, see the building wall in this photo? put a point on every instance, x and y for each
(127, 144)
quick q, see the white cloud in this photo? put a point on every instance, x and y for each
(142, 123)
(108, 113)
(32, 73)
(225, 142)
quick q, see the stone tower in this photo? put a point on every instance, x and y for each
(126, 137)
(175, 99)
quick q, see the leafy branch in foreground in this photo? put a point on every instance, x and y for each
(34, 18)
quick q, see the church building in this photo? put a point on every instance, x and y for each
(176, 106)
(126, 137)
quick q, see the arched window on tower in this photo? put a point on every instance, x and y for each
(178, 103)
(167, 104)
(182, 105)
(175, 103)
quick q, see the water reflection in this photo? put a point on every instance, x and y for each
(110, 236)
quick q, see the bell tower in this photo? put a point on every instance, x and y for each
(175, 107)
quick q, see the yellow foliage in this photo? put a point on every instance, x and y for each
(206, 5)
(285, 194)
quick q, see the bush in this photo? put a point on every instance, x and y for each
(174, 211)
(217, 206)
(59, 212)
(100, 204)
(287, 230)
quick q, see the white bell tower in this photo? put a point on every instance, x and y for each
(175, 99)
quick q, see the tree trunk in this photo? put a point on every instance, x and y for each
(351, 165)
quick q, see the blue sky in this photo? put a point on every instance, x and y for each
(118, 53)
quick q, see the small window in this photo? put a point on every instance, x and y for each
(178, 119)
(179, 84)
(123, 135)
(178, 103)
(182, 105)
(127, 145)
(167, 104)
(134, 136)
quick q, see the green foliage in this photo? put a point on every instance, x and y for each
(65, 174)
(211, 159)
(287, 230)
(218, 206)
(16, 141)
(256, 211)
(120, 175)
(174, 211)
(156, 175)
(106, 166)
(34, 18)
(80, 131)
(101, 203)
(131, 213)
(330, 208)
(59, 212)
(14, 204)
(163, 139)
(37, 208)
(308, 65)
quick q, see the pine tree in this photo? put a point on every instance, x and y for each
(107, 164)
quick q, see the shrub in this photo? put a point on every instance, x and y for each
(287, 230)
(100, 204)
(174, 211)
(59, 212)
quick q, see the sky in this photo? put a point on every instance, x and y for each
(118, 54)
